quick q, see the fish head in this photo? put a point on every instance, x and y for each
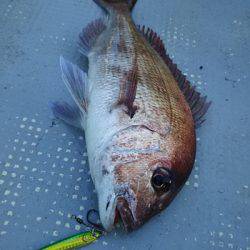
(147, 174)
(145, 191)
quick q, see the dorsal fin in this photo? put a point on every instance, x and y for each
(198, 103)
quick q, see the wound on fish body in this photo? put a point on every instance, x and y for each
(138, 112)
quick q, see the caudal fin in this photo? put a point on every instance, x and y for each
(114, 4)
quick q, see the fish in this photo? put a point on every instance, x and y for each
(73, 242)
(139, 114)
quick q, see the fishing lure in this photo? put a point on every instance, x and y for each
(78, 240)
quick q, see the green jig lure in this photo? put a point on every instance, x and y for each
(78, 240)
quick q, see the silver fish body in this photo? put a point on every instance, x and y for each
(139, 123)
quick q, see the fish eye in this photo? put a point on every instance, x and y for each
(161, 179)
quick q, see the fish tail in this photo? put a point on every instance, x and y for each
(110, 5)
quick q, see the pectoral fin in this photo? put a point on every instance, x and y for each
(128, 86)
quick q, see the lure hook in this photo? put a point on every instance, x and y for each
(95, 225)
(90, 223)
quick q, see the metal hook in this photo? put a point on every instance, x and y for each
(90, 223)
(97, 226)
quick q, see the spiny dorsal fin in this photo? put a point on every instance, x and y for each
(89, 34)
(198, 103)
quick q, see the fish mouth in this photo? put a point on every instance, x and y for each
(125, 214)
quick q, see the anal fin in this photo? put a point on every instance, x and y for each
(198, 103)
(89, 35)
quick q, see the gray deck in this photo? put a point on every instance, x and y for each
(44, 176)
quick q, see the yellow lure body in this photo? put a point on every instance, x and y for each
(78, 240)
